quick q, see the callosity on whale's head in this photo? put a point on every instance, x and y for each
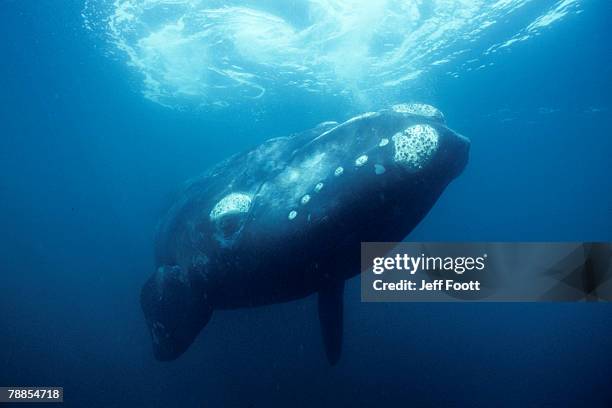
(285, 219)
(372, 177)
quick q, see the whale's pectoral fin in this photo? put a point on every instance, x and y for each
(175, 309)
(330, 318)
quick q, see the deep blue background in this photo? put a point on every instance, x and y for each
(87, 166)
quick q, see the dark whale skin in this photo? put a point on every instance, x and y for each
(286, 219)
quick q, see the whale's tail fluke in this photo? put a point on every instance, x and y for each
(175, 311)
(331, 319)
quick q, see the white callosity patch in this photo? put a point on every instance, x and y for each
(338, 171)
(383, 142)
(318, 187)
(212, 52)
(233, 203)
(421, 109)
(415, 145)
(305, 199)
(292, 214)
(361, 160)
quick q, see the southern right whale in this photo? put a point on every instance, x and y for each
(285, 220)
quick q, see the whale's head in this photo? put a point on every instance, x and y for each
(397, 162)
(372, 177)
(409, 143)
(426, 143)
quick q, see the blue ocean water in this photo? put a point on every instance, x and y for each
(91, 155)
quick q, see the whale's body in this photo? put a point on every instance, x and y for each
(286, 219)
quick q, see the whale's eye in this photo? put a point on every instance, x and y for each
(415, 145)
(229, 225)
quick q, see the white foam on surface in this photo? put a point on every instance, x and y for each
(221, 53)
